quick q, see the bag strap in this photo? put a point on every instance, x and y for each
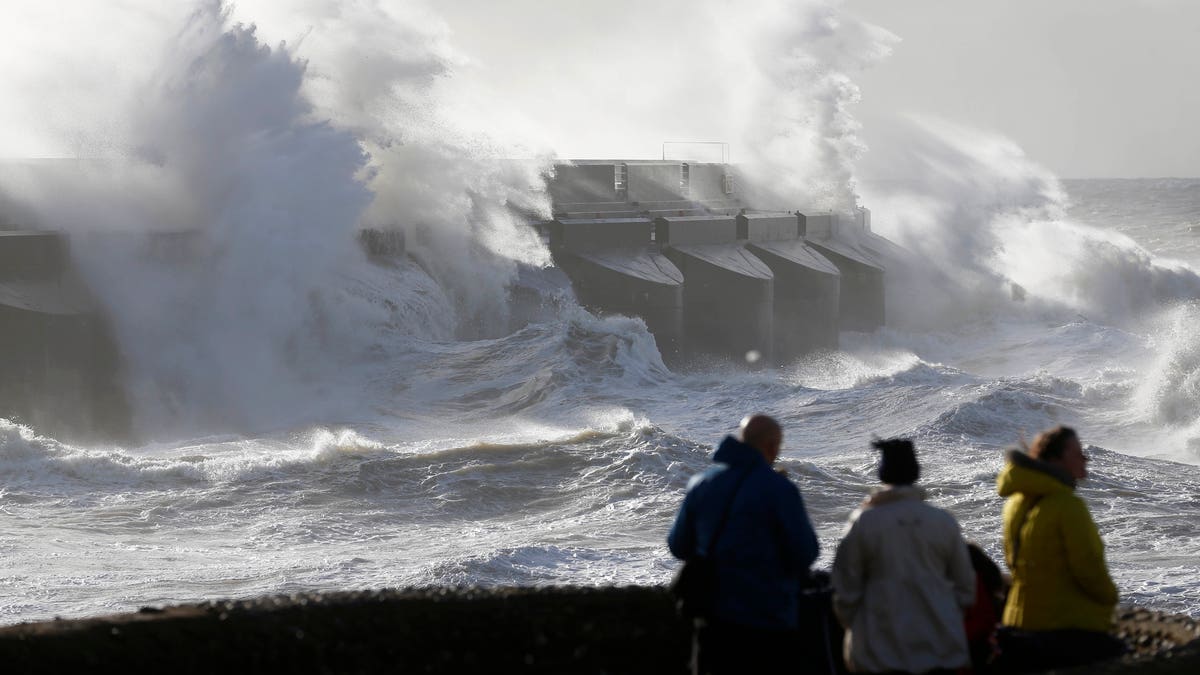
(712, 544)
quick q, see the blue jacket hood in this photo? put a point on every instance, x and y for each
(736, 453)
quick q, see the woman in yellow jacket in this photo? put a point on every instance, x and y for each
(1061, 604)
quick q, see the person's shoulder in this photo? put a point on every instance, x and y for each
(1062, 509)
(1069, 505)
(774, 487)
(776, 482)
(1063, 502)
(705, 476)
(941, 514)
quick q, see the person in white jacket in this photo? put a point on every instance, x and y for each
(902, 576)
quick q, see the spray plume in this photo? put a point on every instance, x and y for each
(801, 136)
(981, 216)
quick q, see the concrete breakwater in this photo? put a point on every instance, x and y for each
(679, 245)
(58, 362)
(535, 630)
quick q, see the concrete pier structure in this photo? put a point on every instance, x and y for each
(836, 236)
(59, 364)
(728, 297)
(779, 284)
(613, 269)
(807, 285)
(592, 188)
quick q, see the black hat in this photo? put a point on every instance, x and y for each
(898, 466)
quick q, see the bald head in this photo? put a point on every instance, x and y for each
(763, 434)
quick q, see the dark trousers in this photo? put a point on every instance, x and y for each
(719, 648)
(1026, 651)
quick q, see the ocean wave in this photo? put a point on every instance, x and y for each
(619, 457)
(1171, 393)
(43, 464)
(535, 565)
(840, 370)
(47, 466)
(544, 365)
(998, 412)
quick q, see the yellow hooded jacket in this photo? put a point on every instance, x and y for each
(1060, 579)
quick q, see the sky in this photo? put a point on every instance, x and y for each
(1087, 88)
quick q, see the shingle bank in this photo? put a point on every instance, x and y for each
(535, 630)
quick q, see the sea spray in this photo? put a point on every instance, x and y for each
(957, 182)
(241, 330)
(988, 229)
(385, 73)
(1099, 273)
(1169, 394)
(800, 133)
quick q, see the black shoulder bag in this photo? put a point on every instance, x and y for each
(695, 583)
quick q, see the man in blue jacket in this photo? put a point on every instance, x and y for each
(762, 552)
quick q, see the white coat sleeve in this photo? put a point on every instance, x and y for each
(847, 575)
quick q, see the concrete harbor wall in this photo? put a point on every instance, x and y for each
(777, 284)
(532, 630)
(807, 285)
(59, 365)
(861, 293)
(728, 294)
(614, 269)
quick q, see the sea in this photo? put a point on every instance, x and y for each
(308, 420)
